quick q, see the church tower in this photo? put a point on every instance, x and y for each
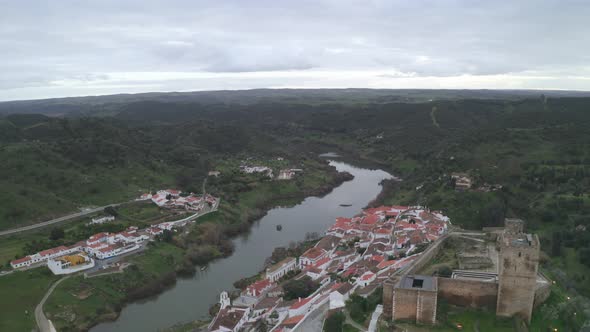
(224, 300)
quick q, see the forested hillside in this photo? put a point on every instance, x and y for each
(536, 148)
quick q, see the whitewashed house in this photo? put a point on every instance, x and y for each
(278, 270)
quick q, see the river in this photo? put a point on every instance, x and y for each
(190, 298)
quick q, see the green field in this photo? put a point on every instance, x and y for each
(78, 303)
(20, 292)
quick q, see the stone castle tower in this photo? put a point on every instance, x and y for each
(519, 262)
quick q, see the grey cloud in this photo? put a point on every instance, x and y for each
(69, 40)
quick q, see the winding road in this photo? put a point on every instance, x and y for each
(42, 322)
(56, 220)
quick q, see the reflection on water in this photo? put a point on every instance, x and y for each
(191, 298)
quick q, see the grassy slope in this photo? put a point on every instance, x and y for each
(106, 294)
(20, 294)
(40, 184)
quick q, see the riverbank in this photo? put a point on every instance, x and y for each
(79, 304)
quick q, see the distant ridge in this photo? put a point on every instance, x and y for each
(104, 104)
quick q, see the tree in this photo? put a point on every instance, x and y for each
(556, 244)
(111, 211)
(166, 236)
(444, 271)
(56, 234)
(334, 322)
(357, 307)
(299, 288)
(585, 256)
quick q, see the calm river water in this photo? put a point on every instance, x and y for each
(190, 299)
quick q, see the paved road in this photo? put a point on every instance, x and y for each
(57, 220)
(72, 216)
(42, 321)
(375, 318)
(315, 320)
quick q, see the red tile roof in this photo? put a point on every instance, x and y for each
(377, 258)
(314, 253)
(292, 320)
(313, 270)
(321, 262)
(371, 219)
(367, 276)
(350, 271)
(97, 236)
(109, 248)
(52, 251)
(385, 264)
(377, 210)
(382, 231)
(259, 286)
(20, 260)
(300, 303)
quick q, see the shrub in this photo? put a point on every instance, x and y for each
(334, 322)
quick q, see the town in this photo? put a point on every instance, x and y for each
(356, 255)
(390, 248)
(81, 255)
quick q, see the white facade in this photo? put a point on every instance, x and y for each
(277, 271)
(102, 220)
(43, 256)
(59, 267)
(310, 258)
(366, 279)
(112, 251)
(300, 307)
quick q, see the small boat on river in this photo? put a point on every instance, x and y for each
(279, 227)
(345, 205)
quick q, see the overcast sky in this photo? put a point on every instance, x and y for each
(70, 48)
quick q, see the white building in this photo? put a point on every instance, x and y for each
(300, 307)
(130, 237)
(229, 319)
(102, 220)
(257, 169)
(70, 264)
(97, 238)
(44, 256)
(115, 250)
(285, 174)
(365, 279)
(312, 256)
(278, 270)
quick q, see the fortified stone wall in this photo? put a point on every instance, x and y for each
(428, 255)
(388, 297)
(541, 294)
(468, 293)
(426, 313)
(404, 304)
(413, 305)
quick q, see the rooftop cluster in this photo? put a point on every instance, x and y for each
(356, 255)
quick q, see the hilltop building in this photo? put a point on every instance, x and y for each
(519, 263)
(513, 291)
(415, 298)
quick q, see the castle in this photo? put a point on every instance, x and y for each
(514, 290)
(519, 263)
